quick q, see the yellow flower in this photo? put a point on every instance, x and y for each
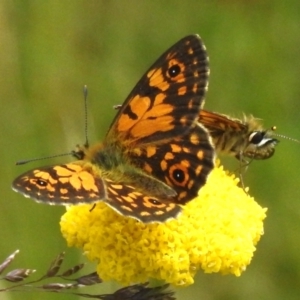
(217, 232)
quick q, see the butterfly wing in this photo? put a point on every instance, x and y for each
(184, 163)
(72, 183)
(126, 200)
(77, 183)
(167, 100)
(163, 109)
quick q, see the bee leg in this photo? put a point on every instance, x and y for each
(243, 167)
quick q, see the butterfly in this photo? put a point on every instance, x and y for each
(155, 156)
(240, 138)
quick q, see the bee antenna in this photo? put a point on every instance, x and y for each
(273, 128)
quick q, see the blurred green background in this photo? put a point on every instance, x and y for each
(50, 49)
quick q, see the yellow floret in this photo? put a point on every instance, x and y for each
(217, 232)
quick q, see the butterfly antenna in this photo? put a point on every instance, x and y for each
(79, 153)
(23, 162)
(283, 136)
(85, 94)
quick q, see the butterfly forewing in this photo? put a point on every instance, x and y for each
(167, 99)
(64, 184)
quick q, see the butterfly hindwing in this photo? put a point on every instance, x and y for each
(183, 163)
(126, 200)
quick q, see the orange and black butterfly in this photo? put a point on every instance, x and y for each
(155, 156)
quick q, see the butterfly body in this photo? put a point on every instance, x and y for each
(240, 138)
(155, 156)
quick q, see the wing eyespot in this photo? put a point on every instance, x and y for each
(41, 182)
(174, 71)
(178, 175)
(154, 202)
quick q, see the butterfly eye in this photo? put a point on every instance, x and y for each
(256, 137)
(174, 71)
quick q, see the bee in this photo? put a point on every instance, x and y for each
(243, 139)
(240, 138)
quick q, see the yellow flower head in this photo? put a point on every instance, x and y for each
(217, 232)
